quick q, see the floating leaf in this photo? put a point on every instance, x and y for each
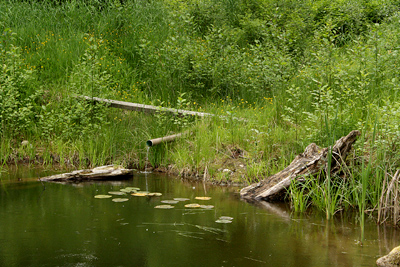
(132, 188)
(181, 199)
(193, 205)
(139, 194)
(203, 198)
(102, 196)
(127, 190)
(169, 201)
(226, 218)
(223, 221)
(120, 199)
(155, 194)
(206, 206)
(118, 193)
(164, 207)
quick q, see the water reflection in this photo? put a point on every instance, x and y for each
(64, 225)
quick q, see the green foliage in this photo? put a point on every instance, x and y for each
(299, 199)
(76, 117)
(18, 98)
(90, 77)
(295, 71)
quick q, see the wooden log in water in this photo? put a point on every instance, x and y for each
(109, 172)
(311, 162)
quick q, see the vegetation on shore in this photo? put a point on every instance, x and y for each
(296, 71)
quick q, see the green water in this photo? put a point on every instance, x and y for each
(64, 225)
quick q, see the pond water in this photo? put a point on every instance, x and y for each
(64, 225)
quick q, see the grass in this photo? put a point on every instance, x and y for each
(294, 79)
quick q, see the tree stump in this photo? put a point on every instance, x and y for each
(309, 163)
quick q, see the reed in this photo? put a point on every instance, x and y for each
(299, 197)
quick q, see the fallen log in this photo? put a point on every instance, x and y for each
(153, 109)
(309, 163)
(109, 172)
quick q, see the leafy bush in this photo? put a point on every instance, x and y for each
(19, 99)
(74, 117)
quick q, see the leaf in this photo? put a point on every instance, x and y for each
(118, 193)
(181, 199)
(154, 194)
(102, 196)
(193, 205)
(225, 218)
(127, 190)
(206, 206)
(132, 188)
(203, 198)
(223, 221)
(164, 207)
(169, 201)
(120, 199)
(139, 194)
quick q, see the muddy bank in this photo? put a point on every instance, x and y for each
(231, 168)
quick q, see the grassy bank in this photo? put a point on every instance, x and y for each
(296, 72)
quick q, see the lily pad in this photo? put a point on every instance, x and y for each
(206, 206)
(181, 199)
(226, 218)
(132, 188)
(169, 201)
(118, 193)
(223, 221)
(155, 194)
(203, 198)
(124, 190)
(139, 194)
(164, 207)
(193, 205)
(102, 196)
(120, 199)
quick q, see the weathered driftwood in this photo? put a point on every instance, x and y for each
(109, 172)
(145, 108)
(153, 109)
(312, 161)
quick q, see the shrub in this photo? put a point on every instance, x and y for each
(19, 99)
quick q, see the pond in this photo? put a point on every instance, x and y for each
(54, 224)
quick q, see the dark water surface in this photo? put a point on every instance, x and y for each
(64, 225)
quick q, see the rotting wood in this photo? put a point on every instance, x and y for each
(154, 109)
(145, 108)
(311, 162)
(108, 172)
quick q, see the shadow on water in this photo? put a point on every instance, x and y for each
(65, 225)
